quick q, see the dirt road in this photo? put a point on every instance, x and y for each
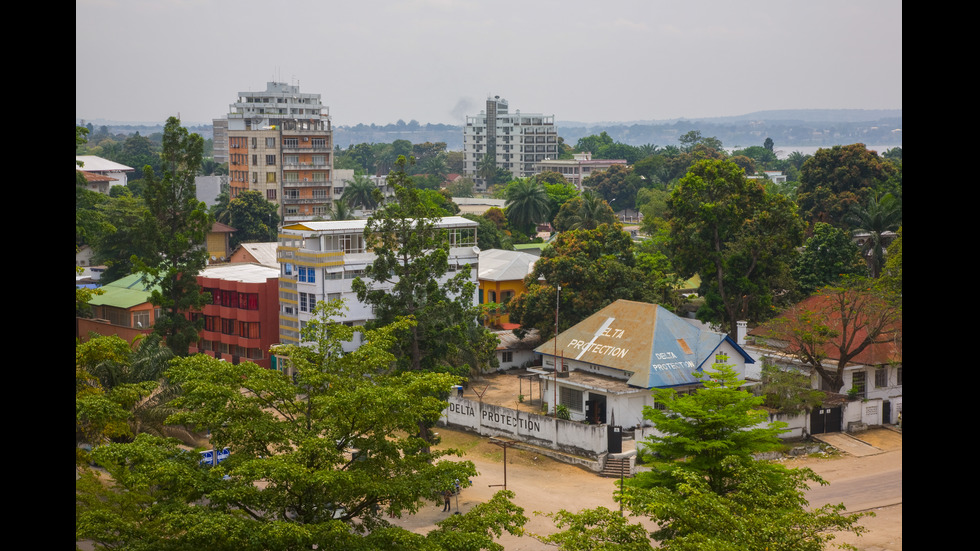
(544, 485)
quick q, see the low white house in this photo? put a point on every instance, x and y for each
(609, 363)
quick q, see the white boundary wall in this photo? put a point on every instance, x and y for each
(557, 434)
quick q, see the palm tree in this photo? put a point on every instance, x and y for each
(487, 168)
(341, 210)
(881, 215)
(527, 204)
(586, 212)
(362, 191)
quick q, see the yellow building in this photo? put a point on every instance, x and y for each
(501, 278)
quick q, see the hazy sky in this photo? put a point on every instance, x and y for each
(377, 61)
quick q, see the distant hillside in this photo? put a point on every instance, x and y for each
(788, 128)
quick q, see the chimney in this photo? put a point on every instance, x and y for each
(743, 329)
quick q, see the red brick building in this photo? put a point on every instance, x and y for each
(242, 321)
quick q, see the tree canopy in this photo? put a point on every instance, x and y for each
(594, 268)
(705, 490)
(175, 231)
(738, 237)
(318, 459)
(835, 179)
(410, 276)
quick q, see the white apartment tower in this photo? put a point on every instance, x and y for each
(280, 143)
(516, 140)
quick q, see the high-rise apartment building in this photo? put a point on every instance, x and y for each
(280, 143)
(514, 140)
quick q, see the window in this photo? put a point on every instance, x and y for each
(507, 357)
(270, 142)
(333, 296)
(270, 159)
(290, 142)
(319, 142)
(570, 398)
(306, 302)
(255, 160)
(898, 373)
(248, 329)
(881, 377)
(228, 327)
(307, 275)
(248, 301)
(859, 384)
(291, 160)
(351, 274)
(270, 177)
(141, 319)
(270, 194)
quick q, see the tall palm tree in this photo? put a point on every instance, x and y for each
(486, 168)
(527, 204)
(595, 211)
(881, 215)
(362, 191)
(341, 210)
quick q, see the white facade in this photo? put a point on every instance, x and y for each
(278, 102)
(319, 261)
(577, 169)
(517, 140)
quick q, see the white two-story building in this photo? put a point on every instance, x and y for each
(319, 261)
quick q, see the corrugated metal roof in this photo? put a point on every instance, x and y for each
(127, 292)
(658, 347)
(501, 265)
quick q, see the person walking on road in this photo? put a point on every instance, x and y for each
(447, 506)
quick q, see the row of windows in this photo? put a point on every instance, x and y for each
(234, 299)
(245, 329)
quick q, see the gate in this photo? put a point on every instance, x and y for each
(823, 420)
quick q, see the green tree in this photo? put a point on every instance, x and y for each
(121, 237)
(737, 237)
(879, 216)
(617, 185)
(827, 257)
(702, 430)
(411, 260)
(341, 210)
(319, 460)
(486, 169)
(594, 268)
(461, 187)
(787, 391)
(593, 143)
(175, 232)
(705, 490)
(587, 212)
(527, 204)
(891, 277)
(254, 218)
(692, 139)
(833, 180)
